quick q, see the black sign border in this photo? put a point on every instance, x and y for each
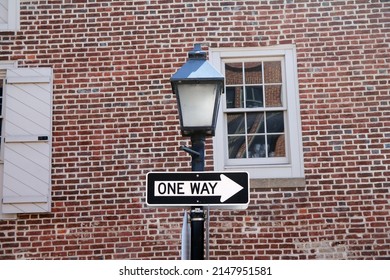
(239, 200)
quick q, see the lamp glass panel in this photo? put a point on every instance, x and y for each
(197, 103)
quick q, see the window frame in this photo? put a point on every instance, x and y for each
(270, 167)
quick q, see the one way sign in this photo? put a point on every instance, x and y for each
(215, 189)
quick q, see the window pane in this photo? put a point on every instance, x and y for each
(277, 145)
(273, 96)
(233, 73)
(254, 96)
(257, 129)
(234, 97)
(253, 73)
(275, 122)
(272, 72)
(257, 147)
(237, 147)
(236, 123)
(255, 123)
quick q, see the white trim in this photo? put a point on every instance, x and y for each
(260, 168)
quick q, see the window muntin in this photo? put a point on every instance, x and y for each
(255, 111)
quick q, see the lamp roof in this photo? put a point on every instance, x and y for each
(197, 68)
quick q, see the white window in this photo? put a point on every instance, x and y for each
(25, 164)
(9, 15)
(259, 128)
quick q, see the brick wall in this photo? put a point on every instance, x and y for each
(115, 119)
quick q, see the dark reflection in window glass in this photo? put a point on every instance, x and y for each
(254, 96)
(236, 123)
(255, 123)
(257, 147)
(275, 122)
(277, 146)
(237, 147)
(234, 97)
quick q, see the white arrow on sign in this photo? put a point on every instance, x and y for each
(225, 188)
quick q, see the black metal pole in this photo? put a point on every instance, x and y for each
(197, 145)
(197, 213)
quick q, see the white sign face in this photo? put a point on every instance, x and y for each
(223, 190)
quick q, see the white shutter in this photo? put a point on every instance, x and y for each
(27, 140)
(4, 65)
(3, 14)
(9, 15)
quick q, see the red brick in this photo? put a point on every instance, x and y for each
(115, 119)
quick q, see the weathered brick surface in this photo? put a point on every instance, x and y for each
(115, 119)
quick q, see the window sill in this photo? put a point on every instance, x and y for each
(277, 183)
(7, 216)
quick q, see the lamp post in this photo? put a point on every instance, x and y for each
(198, 87)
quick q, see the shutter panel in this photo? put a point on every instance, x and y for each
(3, 14)
(4, 65)
(27, 140)
(9, 15)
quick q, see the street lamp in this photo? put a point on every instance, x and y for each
(198, 87)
